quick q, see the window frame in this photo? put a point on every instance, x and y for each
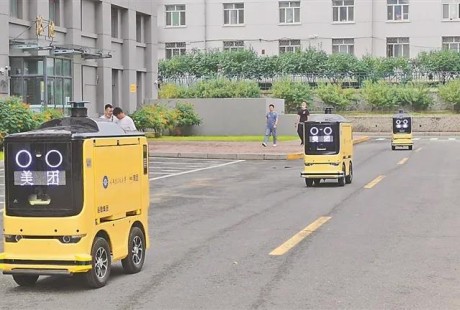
(348, 43)
(294, 7)
(396, 45)
(179, 11)
(453, 5)
(175, 49)
(233, 45)
(289, 46)
(448, 45)
(229, 11)
(392, 10)
(55, 11)
(18, 9)
(337, 11)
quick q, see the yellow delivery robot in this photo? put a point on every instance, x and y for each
(328, 152)
(402, 131)
(77, 200)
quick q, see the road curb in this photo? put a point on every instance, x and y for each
(242, 156)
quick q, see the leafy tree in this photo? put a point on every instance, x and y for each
(416, 96)
(380, 95)
(292, 92)
(336, 96)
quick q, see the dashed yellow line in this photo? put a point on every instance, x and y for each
(374, 182)
(403, 161)
(294, 240)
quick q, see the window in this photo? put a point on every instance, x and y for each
(343, 10)
(289, 46)
(345, 46)
(175, 49)
(175, 15)
(398, 47)
(16, 8)
(54, 11)
(115, 22)
(289, 12)
(451, 43)
(140, 27)
(451, 10)
(233, 13)
(233, 45)
(397, 10)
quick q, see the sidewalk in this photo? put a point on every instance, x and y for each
(232, 150)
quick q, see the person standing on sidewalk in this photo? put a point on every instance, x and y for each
(272, 122)
(302, 117)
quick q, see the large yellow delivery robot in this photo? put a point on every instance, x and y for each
(328, 150)
(402, 131)
(77, 199)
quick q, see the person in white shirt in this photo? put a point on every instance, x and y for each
(108, 113)
(124, 121)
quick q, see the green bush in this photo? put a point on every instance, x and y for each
(15, 116)
(223, 88)
(416, 96)
(450, 93)
(380, 95)
(156, 117)
(292, 93)
(186, 115)
(336, 96)
(46, 115)
(171, 91)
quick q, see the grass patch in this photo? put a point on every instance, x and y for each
(218, 138)
(1, 155)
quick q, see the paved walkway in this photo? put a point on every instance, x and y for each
(231, 150)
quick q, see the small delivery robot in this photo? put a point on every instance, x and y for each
(402, 131)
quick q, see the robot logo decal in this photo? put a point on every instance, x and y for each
(105, 181)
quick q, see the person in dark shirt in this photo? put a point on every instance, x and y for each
(302, 116)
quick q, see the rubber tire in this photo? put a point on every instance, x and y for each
(308, 182)
(25, 279)
(393, 147)
(317, 181)
(129, 266)
(341, 180)
(92, 278)
(349, 177)
(410, 147)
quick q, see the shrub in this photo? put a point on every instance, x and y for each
(15, 116)
(292, 93)
(450, 93)
(156, 117)
(170, 91)
(336, 96)
(186, 115)
(380, 95)
(46, 115)
(416, 96)
(223, 88)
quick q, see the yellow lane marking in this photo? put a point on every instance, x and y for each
(419, 149)
(403, 161)
(294, 240)
(374, 182)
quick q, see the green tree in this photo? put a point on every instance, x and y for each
(336, 96)
(292, 92)
(450, 93)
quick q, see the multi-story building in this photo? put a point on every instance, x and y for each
(269, 27)
(101, 51)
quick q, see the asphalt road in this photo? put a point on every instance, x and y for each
(386, 241)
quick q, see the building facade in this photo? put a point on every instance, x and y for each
(383, 28)
(101, 51)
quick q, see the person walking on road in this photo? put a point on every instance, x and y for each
(302, 117)
(272, 122)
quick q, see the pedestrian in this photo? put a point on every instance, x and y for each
(302, 117)
(272, 122)
(124, 121)
(108, 113)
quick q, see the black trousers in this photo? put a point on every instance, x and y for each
(300, 131)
